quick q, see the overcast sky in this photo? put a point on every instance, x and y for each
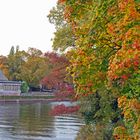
(24, 23)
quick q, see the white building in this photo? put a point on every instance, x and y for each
(9, 87)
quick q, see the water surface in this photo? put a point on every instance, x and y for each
(32, 122)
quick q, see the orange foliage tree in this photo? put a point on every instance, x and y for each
(4, 65)
(107, 54)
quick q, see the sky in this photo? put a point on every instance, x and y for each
(25, 23)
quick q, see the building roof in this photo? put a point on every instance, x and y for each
(2, 77)
(11, 82)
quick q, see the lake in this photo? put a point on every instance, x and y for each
(31, 121)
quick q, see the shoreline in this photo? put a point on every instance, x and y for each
(31, 100)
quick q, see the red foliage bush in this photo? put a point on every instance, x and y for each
(62, 109)
(65, 92)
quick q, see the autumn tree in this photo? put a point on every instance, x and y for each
(4, 65)
(64, 38)
(27, 66)
(106, 57)
(16, 59)
(35, 67)
(56, 76)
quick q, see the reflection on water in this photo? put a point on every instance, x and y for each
(32, 122)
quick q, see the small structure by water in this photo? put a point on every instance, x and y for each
(9, 87)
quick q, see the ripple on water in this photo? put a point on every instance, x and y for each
(32, 122)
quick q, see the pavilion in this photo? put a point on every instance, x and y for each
(9, 87)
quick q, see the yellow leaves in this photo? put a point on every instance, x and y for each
(135, 105)
(122, 5)
(126, 60)
(128, 6)
(67, 13)
(131, 112)
(123, 28)
(4, 66)
(137, 130)
(111, 29)
(132, 10)
(132, 104)
(125, 105)
(112, 26)
(128, 35)
(122, 101)
(120, 133)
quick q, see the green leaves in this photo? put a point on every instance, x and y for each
(64, 38)
(106, 56)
